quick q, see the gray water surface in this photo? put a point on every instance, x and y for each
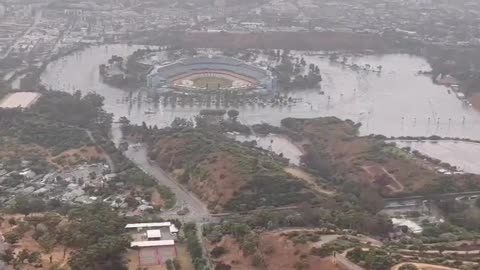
(394, 103)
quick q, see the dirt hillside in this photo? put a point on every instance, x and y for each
(227, 174)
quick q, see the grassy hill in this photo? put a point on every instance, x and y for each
(229, 175)
(335, 151)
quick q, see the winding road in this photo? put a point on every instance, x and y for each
(198, 211)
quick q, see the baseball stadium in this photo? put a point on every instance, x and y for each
(211, 73)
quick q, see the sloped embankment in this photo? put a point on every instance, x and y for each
(228, 175)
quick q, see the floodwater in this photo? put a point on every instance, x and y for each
(275, 143)
(464, 155)
(394, 103)
(16, 82)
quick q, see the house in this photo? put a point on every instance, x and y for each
(154, 241)
(27, 173)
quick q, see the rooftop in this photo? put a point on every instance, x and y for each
(154, 234)
(147, 225)
(158, 243)
(413, 226)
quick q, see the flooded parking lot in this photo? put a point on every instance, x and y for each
(464, 155)
(394, 103)
(275, 143)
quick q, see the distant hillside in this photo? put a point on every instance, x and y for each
(229, 175)
(336, 152)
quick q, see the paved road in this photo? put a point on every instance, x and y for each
(198, 210)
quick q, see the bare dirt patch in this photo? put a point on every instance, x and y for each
(309, 179)
(381, 177)
(156, 199)
(279, 253)
(335, 144)
(11, 148)
(60, 254)
(75, 156)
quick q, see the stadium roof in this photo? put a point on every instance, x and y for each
(195, 64)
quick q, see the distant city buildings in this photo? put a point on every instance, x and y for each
(38, 31)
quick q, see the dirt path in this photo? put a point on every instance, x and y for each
(326, 238)
(107, 157)
(308, 179)
(346, 263)
(373, 172)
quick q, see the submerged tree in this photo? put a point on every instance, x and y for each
(233, 115)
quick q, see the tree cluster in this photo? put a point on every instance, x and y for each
(97, 234)
(374, 259)
(194, 247)
(291, 75)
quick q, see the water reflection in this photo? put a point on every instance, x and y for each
(464, 155)
(395, 102)
(275, 143)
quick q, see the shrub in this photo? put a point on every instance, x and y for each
(218, 252)
(408, 266)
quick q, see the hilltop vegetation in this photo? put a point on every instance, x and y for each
(238, 246)
(61, 130)
(87, 238)
(57, 123)
(229, 175)
(52, 126)
(336, 152)
(234, 176)
(48, 124)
